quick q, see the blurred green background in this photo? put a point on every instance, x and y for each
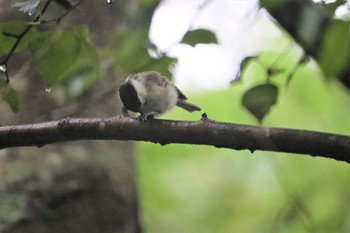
(192, 189)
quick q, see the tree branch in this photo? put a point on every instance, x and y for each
(58, 19)
(18, 38)
(203, 132)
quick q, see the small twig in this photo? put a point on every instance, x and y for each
(10, 34)
(58, 19)
(302, 60)
(19, 37)
(284, 52)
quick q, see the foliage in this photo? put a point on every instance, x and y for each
(55, 56)
(76, 64)
(259, 99)
(8, 94)
(314, 27)
(209, 190)
(131, 53)
(204, 189)
(62, 56)
(199, 36)
(14, 28)
(335, 52)
(65, 57)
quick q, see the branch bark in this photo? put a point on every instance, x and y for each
(202, 132)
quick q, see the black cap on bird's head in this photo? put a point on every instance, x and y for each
(129, 97)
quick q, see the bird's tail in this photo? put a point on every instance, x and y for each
(188, 106)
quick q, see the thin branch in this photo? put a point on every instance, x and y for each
(58, 19)
(203, 132)
(19, 38)
(37, 20)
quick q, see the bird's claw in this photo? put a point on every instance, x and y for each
(147, 116)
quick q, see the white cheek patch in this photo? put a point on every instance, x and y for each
(140, 90)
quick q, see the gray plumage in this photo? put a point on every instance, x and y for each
(151, 94)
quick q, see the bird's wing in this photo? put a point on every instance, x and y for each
(159, 80)
(155, 78)
(181, 95)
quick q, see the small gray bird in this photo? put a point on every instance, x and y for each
(151, 94)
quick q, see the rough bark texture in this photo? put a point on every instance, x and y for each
(78, 199)
(203, 132)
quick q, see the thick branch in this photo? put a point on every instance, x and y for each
(203, 132)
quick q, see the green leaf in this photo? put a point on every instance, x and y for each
(334, 55)
(12, 100)
(274, 71)
(9, 95)
(84, 73)
(199, 36)
(146, 4)
(8, 33)
(271, 4)
(132, 55)
(56, 53)
(163, 65)
(304, 59)
(66, 4)
(87, 50)
(331, 7)
(259, 100)
(243, 66)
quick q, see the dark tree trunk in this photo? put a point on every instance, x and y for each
(80, 187)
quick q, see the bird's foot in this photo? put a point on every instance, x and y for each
(147, 116)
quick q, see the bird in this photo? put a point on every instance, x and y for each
(152, 95)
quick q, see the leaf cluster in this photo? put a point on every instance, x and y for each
(64, 55)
